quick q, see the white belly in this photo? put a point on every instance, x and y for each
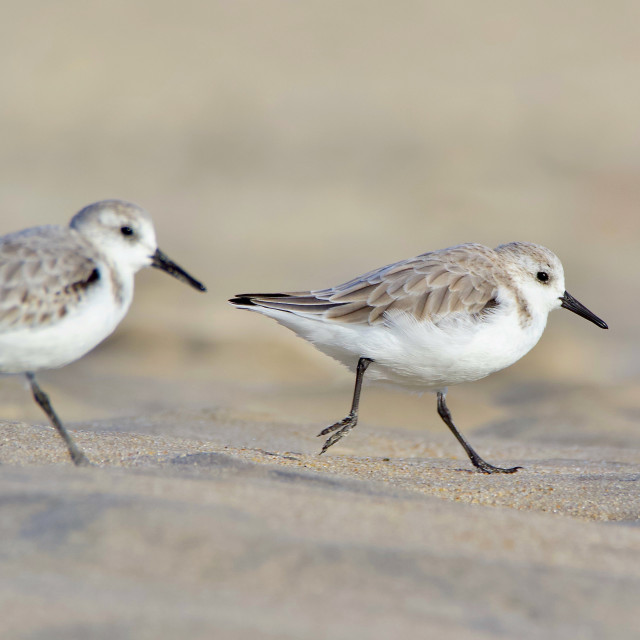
(94, 318)
(421, 355)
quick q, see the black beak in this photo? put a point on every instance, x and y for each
(569, 302)
(160, 261)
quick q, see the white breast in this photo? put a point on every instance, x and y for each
(87, 323)
(422, 355)
(434, 357)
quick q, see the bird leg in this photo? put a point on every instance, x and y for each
(477, 461)
(79, 459)
(345, 425)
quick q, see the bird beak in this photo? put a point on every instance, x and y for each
(569, 302)
(160, 261)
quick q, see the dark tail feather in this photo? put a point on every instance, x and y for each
(246, 299)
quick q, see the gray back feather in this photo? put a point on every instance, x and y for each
(43, 272)
(429, 287)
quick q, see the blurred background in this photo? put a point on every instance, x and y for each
(283, 145)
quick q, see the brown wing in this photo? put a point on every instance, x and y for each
(43, 273)
(455, 280)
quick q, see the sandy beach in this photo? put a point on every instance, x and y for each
(222, 521)
(285, 146)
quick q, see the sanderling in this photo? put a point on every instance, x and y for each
(429, 322)
(65, 289)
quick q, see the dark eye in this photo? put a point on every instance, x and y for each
(126, 231)
(543, 276)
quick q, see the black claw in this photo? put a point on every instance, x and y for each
(344, 426)
(476, 460)
(80, 460)
(342, 423)
(485, 467)
(326, 445)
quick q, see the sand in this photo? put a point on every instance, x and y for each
(291, 145)
(216, 522)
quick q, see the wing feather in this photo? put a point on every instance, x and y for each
(43, 272)
(458, 280)
(354, 312)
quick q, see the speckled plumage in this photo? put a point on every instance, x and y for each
(427, 287)
(464, 279)
(43, 273)
(65, 289)
(442, 318)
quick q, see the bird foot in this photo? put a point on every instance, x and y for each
(485, 467)
(79, 459)
(341, 429)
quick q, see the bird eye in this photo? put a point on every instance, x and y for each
(543, 276)
(126, 231)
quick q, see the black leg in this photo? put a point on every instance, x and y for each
(345, 425)
(477, 461)
(79, 459)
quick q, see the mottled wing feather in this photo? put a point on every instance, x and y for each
(43, 273)
(430, 287)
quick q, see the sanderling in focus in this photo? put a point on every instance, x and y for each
(65, 289)
(429, 322)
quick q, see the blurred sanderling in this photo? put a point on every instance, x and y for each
(65, 289)
(429, 322)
